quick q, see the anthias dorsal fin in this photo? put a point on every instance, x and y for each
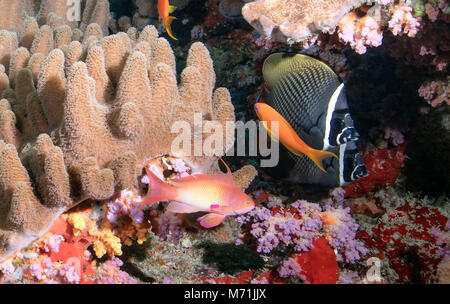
(227, 175)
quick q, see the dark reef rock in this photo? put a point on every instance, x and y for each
(428, 151)
(230, 258)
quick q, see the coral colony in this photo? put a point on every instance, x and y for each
(90, 99)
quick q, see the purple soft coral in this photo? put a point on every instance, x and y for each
(394, 135)
(68, 274)
(170, 227)
(44, 271)
(52, 242)
(301, 224)
(7, 268)
(349, 277)
(125, 204)
(36, 271)
(341, 235)
(112, 274)
(442, 239)
(289, 268)
(273, 230)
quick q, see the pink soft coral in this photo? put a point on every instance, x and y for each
(360, 33)
(436, 91)
(125, 204)
(403, 22)
(110, 273)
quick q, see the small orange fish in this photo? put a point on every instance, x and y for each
(287, 135)
(213, 193)
(164, 9)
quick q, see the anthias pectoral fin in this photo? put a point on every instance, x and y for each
(178, 207)
(211, 220)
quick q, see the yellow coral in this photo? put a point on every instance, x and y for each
(106, 242)
(141, 234)
(99, 248)
(130, 231)
(78, 221)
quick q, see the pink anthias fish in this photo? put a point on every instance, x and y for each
(213, 193)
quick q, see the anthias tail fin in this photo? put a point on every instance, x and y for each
(167, 23)
(157, 190)
(317, 156)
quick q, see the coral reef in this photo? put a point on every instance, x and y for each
(436, 91)
(428, 48)
(404, 238)
(300, 227)
(62, 256)
(359, 32)
(416, 30)
(111, 273)
(443, 239)
(317, 266)
(295, 20)
(54, 13)
(78, 119)
(384, 165)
